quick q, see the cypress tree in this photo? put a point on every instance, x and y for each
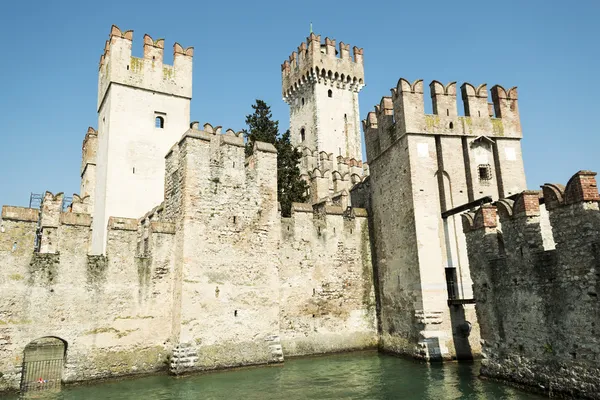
(260, 126)
(290, 187)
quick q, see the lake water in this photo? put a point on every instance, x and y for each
(345, 376)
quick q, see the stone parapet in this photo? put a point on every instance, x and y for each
(534, 269)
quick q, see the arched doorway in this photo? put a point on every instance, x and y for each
(43, 361)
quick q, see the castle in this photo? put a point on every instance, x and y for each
(175, 256)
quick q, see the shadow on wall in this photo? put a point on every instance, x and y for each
(461, 329)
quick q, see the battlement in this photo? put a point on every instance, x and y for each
(534, 264)
(89, 149)
(519, 220)
(117, 65)
(329, 176)
(316, 62)
(404, 112)
(218, 162)
(322, 218)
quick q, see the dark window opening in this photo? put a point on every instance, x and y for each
(235, 313)
(128, 68)
(159, 122)
(302, 134)
(134, 170)
(447, 112)
(234, 219)
(345, 118)
(484, 172)
(303, 101)
(330, 93)
(451, 283)
(451, 125)
(479, 113)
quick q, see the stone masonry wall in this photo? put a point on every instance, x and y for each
(113, 315)
(227, 221)
(538, 306)
(326, 281)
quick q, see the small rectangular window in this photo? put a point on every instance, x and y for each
(484, 172)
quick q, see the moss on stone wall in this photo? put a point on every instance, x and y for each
(497, 127)
(43, 269)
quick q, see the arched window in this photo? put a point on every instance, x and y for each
(330, 93)
(159, 122)
(303, 101)
(302, 134)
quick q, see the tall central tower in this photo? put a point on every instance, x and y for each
(143, 109)
(321, 86)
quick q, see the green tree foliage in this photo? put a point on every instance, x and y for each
(290, 187)
(260, 126)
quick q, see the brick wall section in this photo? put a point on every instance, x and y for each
(538, 309)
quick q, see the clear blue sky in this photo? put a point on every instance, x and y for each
(49, 67)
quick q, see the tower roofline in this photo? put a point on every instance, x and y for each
(317, 62)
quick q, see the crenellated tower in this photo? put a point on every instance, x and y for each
(143, 108)
(423, 168)
(321, 86)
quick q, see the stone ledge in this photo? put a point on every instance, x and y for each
(75, 219)
(11, 213)
(122, 224)
(162, 227)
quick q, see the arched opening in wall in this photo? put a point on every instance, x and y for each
(303, 101)
(43, 361)
(345, 118)
(330, 93)
(159, 122)
(302, 134)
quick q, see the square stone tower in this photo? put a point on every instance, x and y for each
(422, 168)
(321, 86)
(143, 108)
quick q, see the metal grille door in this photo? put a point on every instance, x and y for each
(42, 365)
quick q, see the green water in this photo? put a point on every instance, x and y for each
(345, 376)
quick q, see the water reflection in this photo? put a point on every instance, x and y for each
(347, 376)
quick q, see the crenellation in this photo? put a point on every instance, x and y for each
(76, 219)
(475, 100)
(507, 110)
(444, 99)
(517, 284)
(385, 122)
(118, 66)
(12, 213)
(344, 51)
(322, 63)
(410, 117)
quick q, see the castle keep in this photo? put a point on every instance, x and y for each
(174, 256)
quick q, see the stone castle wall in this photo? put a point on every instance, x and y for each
(211, 278)
(534, 261)
(113, 312)
(326, 280)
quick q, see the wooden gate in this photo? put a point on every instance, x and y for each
(42, 365)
